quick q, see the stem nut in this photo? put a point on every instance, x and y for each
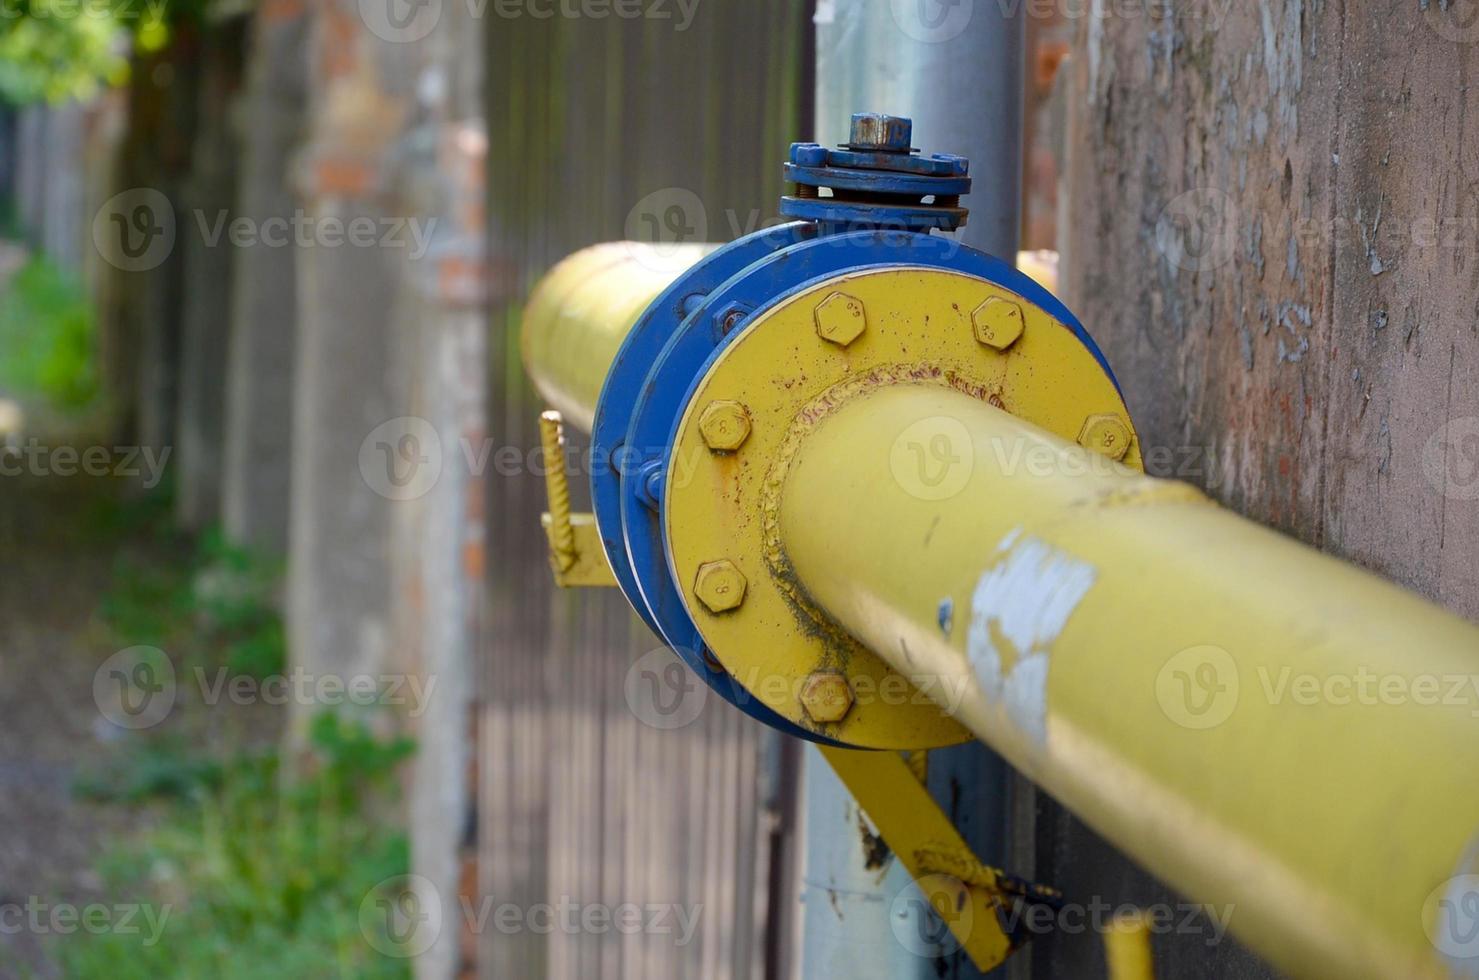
(719, 585)
(1106, 435)
(826, 697)
(998, 323)
(724, 425)
(841, 319)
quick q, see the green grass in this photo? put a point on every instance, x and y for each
(47, 338)
(218, 608)
(252, 875)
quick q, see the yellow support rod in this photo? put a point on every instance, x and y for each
(1272, 731)
(582, 310)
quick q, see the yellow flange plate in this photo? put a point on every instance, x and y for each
(783, 374)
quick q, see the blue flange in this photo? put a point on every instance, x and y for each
(673, 344)
(663, 394)
(630, 369)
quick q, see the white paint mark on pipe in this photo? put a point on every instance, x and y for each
(1019, 609)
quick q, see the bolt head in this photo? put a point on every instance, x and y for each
(826, 697)
(720, 585)
(841, 319)
(998, 323)
(1107, 435)
(724, 425)
(880, 131)
(808, 155)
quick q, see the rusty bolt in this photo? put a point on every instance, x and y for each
(725, 425)
(1107, 435)
(879, 131)
(841, 319)
(719, 585)
(826, 697)
(998, 323)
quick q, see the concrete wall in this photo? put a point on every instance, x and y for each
(1271, 229)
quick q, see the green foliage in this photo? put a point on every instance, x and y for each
(257, 875)
(60, 49)
(160, 768)
(47, 335)
(219, 607)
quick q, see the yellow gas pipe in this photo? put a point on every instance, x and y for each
(1272, 731)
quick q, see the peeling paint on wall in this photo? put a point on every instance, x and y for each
(1018, 610)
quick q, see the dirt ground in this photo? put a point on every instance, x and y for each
(51, 579)
(61, 546)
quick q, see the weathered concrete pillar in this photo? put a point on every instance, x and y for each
(353, 370)
(257, 456)
(207, 247)
(438, 535)
(1269, 230)
(386, 543)
(136, 232)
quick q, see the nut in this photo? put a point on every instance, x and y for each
(880, 131)
(841, 319)
(725, 425)
(1107, 435)
(826, 697)
(998, 323)
(719, 585)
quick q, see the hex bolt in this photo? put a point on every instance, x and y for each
(826, 697)
(1107, 435)
(719, 585)
(879, 131)
(841, 319)
(724, 425)
(998, 323)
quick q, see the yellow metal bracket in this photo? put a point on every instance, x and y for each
(971, 898)
(575, 548)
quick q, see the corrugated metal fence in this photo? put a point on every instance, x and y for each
(674, 122)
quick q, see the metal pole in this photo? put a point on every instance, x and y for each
(956, 70)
